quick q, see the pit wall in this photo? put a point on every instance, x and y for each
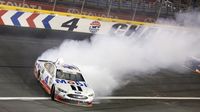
(42, 19)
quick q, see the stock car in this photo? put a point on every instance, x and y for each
(193, 64)
(63, 82)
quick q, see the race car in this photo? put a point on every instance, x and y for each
(193, 64)
(63, 82)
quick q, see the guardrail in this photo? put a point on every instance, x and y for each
(5, 7)
(35, 18)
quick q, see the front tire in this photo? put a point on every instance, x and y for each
(53, 93)
(37, 74)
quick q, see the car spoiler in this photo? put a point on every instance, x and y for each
(45, 61)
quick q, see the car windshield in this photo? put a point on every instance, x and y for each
(68, 76)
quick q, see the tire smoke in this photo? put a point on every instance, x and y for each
(108, 58)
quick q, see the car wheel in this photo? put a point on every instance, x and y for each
(38, 75)
(53, 92)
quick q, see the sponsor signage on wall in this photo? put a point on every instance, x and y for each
(65, 23)
(20, 4)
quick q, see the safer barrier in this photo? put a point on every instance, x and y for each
(34, 18)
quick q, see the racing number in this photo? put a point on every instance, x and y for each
(71, 24)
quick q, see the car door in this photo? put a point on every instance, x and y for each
(49, 73)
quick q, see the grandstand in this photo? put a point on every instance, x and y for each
(137, 10)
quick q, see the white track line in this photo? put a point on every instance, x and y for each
(108, 98)
(24, 98)
(146, 98)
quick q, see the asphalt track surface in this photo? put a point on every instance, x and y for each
(19, 48)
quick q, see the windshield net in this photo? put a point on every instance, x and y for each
(68, 76)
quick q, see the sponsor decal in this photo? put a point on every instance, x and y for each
(61, 81)
(89, 12)
(71, 82)
(78, 83)
(77, 92)
(20, 4)
(46, 79)
(125, 29)
(94, 26)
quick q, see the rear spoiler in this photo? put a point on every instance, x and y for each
(58, 61)
(45, 61)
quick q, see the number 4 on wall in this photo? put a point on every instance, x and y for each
(71, 24)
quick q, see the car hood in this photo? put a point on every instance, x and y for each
(74, 87)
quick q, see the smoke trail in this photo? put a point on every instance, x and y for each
(107, 59)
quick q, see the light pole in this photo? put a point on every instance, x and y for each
(108, 13)
(82, 7)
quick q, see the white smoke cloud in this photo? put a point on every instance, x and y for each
(107, 59)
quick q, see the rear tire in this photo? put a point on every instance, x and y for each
(53, 93)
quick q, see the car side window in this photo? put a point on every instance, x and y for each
(46, 65)
(50, 68)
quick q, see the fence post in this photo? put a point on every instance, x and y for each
(54, 5)
(134, 13)
(82, 7)
(108, 13)
(160, 8)
(23, 3)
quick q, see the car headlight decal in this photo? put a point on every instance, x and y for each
(61, 90)
(90, 95)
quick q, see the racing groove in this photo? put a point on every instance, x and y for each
(20, 47)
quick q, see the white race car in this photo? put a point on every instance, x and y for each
(63, 82)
